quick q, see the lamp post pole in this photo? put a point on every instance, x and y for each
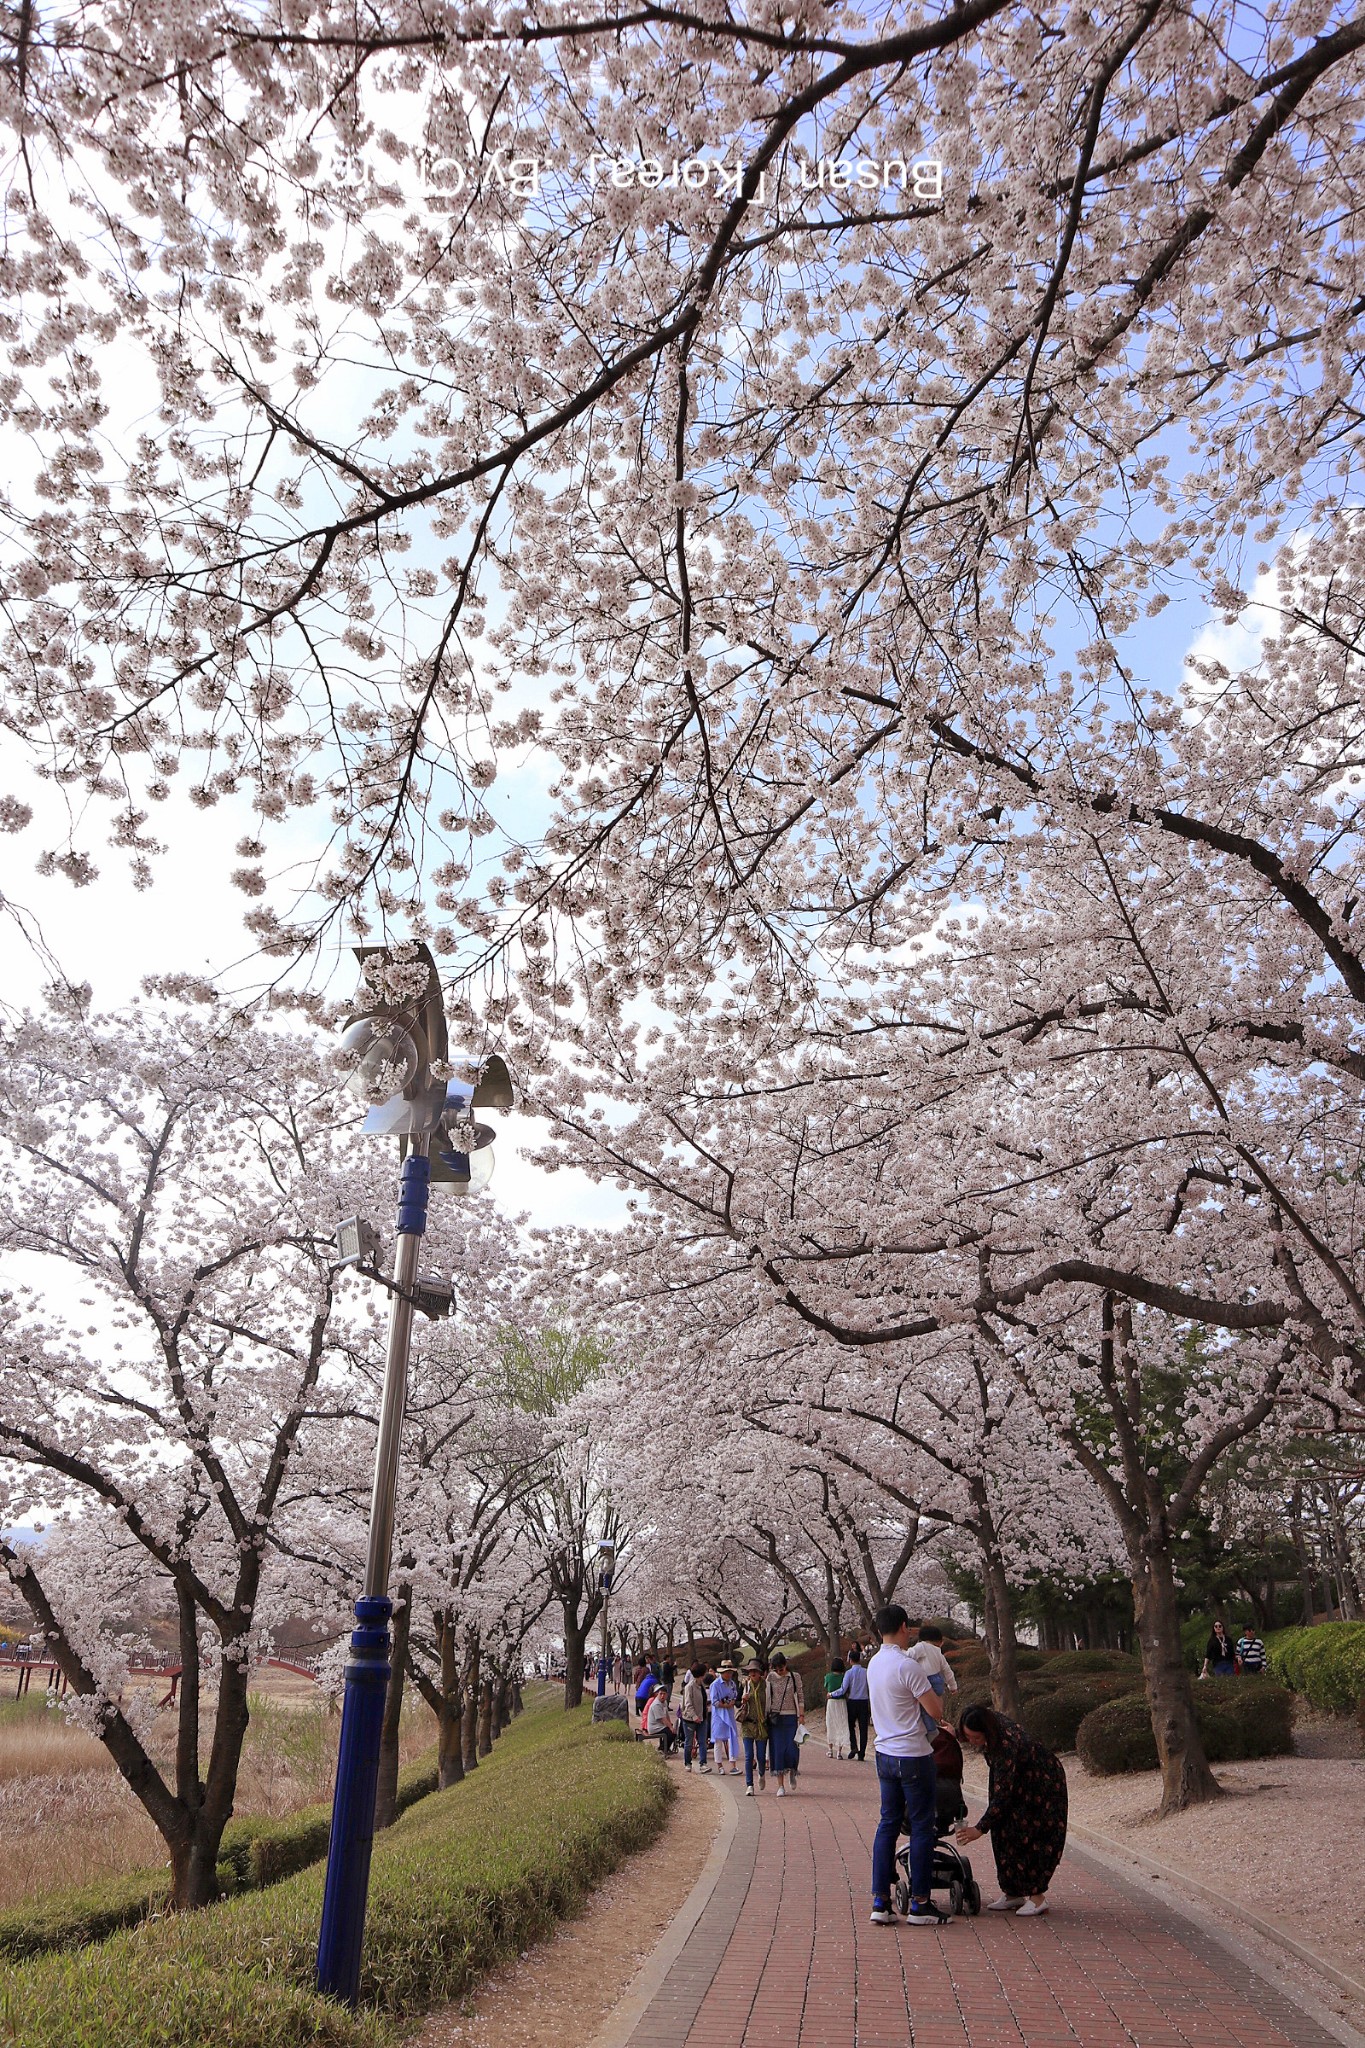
(367, 1667)
(606, 1559)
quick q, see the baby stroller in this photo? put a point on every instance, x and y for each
(952, 1872)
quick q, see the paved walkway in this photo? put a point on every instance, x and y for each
(784, 1955)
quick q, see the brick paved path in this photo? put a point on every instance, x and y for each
(785, 1957)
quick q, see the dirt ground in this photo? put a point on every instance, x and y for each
(563, 1989)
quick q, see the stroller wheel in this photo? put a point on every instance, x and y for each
(972, 1897)
(902, 1896)
(956, 1896)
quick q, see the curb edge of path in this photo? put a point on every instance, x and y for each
(626, 2015)
(1157, 1884)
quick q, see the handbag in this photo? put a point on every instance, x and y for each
(802, 1735)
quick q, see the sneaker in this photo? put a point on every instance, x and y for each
(1005, 1905)
(748, 1791)
(882, 1916)
(1028, 1911)
(781, 1791)
(924, 1913)
(762, 1780)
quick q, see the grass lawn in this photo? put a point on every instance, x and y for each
(462, 1882)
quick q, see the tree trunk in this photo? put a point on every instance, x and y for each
(469, 1719)
(574, 1652)
(485, 1730)
(516, 1696)
(442, 1695)
(194, 1855)
(1002, 1646)
(1186, 1779)
(386, 1790)
(502, 1706)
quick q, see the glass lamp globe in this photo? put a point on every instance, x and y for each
(382, 1056)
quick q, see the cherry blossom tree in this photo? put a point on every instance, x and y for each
(173, 1181)
(817, 533)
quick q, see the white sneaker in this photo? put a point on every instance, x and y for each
(1028, 1911)
(1004, 1905)
(781, 1791)
(748, 1791)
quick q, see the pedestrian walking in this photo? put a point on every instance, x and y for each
(903, 1702)
(752, 1717)
(1219, 1656)
(853, 1692)
(836, 1712)
(1026, 1814)
(785, 1706)
(1250, 1652)
(693, 1710)
(723, 1695)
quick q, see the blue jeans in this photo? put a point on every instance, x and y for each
(694, 1732)
(752, 1743)
(908, 1787)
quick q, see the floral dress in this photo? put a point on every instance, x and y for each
(1026, 1817)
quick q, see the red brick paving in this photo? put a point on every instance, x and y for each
(785, 1956)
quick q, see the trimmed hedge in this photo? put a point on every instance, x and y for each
(461, 1883)
(1237, 1718)
(92, 2000)
(69, 1919)
(1055, 1716)
(255, 1852)
(1087, 1662)
(1326, 1664)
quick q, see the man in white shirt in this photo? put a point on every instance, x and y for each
(902, 1696)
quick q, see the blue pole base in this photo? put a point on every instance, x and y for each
(601, 1679)
(352, 1837)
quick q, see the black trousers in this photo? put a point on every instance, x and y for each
(859, 1721)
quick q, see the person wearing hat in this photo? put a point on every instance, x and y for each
(656, 1723)
(752, 1717)
(724, 1697)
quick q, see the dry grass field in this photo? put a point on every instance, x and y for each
(67, 1818)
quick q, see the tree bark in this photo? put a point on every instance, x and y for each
(502, 1706)
(469, 1717)
(485, 1728)
(1002, 1645)
(386, 1790)
(575, 1641)
(1186, 1779)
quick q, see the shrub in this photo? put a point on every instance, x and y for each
(1326, 1664)
(1237, 1718)
(1055, 1716)
(69, 1919)
(255, 1852)
(1086, 1662)
(463, 1881)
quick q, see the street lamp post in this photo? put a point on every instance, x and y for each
(399, 1050)
(606, 1553)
